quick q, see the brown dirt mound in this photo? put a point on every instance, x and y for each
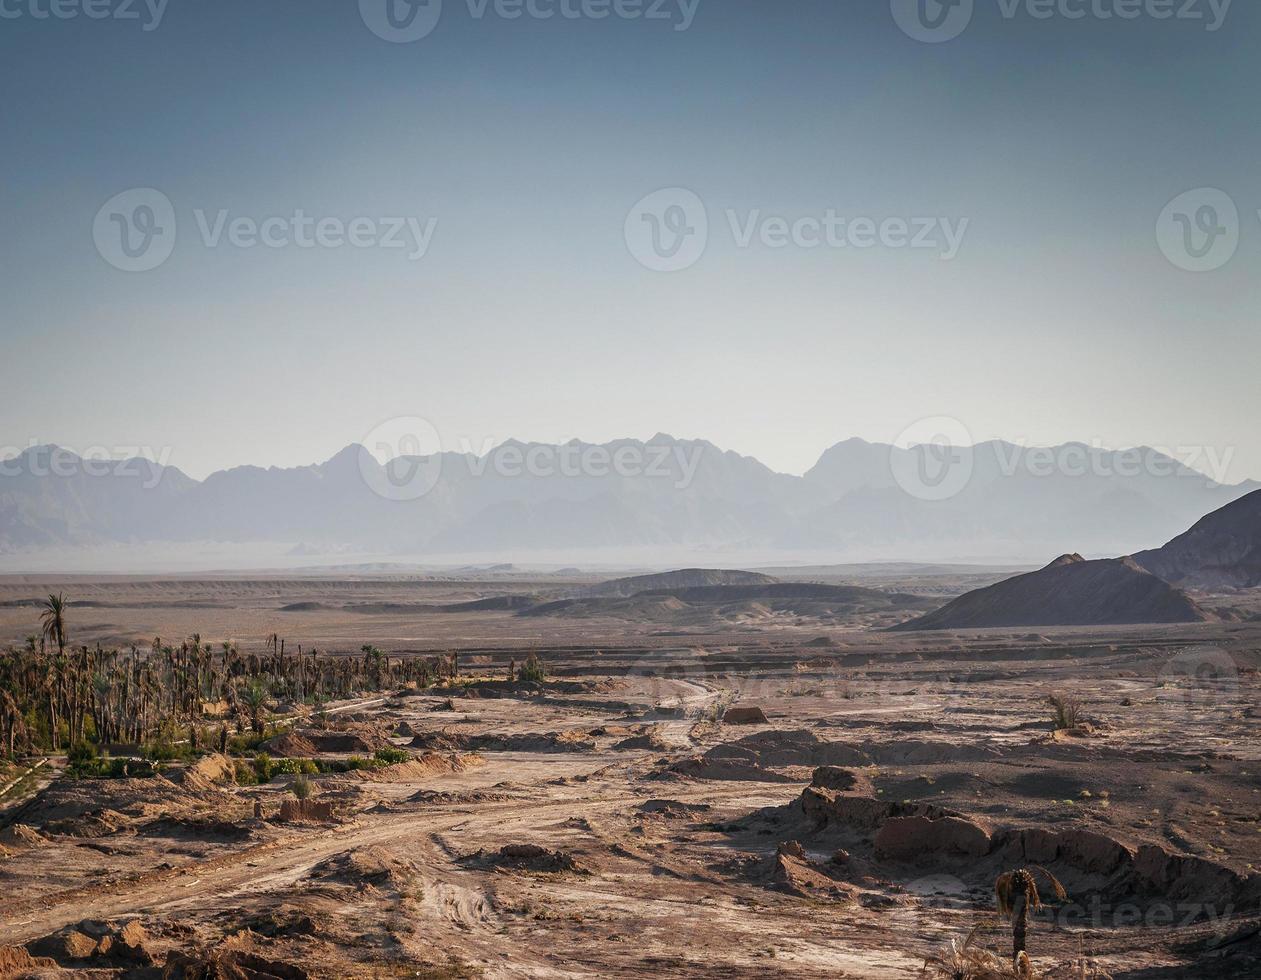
(429, 764)
(750, 715)
(567, 741)
(290, 745)
(196, 828)
(650, 740)
(435, 797)
(98, 807)
(20, 836)
(793, 873)
(841, 780)
(702, 767)
(305, 811)
(529, 857)
(93, 940)
(284, 921)
(674, 808)
(228, 964)
(207, 772)
(372, 865)
(17, 962)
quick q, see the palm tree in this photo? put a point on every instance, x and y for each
(254, 695)
(1017, 894)
(53, 620)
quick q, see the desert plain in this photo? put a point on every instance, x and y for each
(755, 787)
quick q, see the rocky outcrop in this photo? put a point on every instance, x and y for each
(912, 838)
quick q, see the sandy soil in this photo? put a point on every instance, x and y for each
(645, 837)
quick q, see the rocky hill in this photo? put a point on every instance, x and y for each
(1069, 592)
(1222, 550)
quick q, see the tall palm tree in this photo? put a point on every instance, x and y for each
(53, 620)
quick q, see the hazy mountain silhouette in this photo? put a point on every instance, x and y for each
(695, 496)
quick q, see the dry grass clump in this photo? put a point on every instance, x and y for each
(968, 960)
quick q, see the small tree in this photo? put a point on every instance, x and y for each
(1017, 894)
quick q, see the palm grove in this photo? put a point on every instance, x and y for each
(56, 696)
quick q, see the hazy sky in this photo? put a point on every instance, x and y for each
(527, 142)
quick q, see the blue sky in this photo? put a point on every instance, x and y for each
(526, 142)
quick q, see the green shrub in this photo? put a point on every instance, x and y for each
(107, 768)
(263, 768)
(245, 774)
(531, 672)
(164, 750)
(391, 756)
(82, 752)
(295, 767)
(349, 765)
(301, 787)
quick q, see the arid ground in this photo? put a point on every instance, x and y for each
(626, 816)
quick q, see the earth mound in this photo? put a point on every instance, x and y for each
(529, 857)
(218, 963)
(685, 578)
(748, 715)
(1068, 592)
(92, 940)
(373, 865)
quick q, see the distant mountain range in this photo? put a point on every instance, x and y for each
(677, 494)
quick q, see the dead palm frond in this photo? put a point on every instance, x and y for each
(968, 960)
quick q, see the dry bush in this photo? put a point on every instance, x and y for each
(968, 960)
(1068, 711)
